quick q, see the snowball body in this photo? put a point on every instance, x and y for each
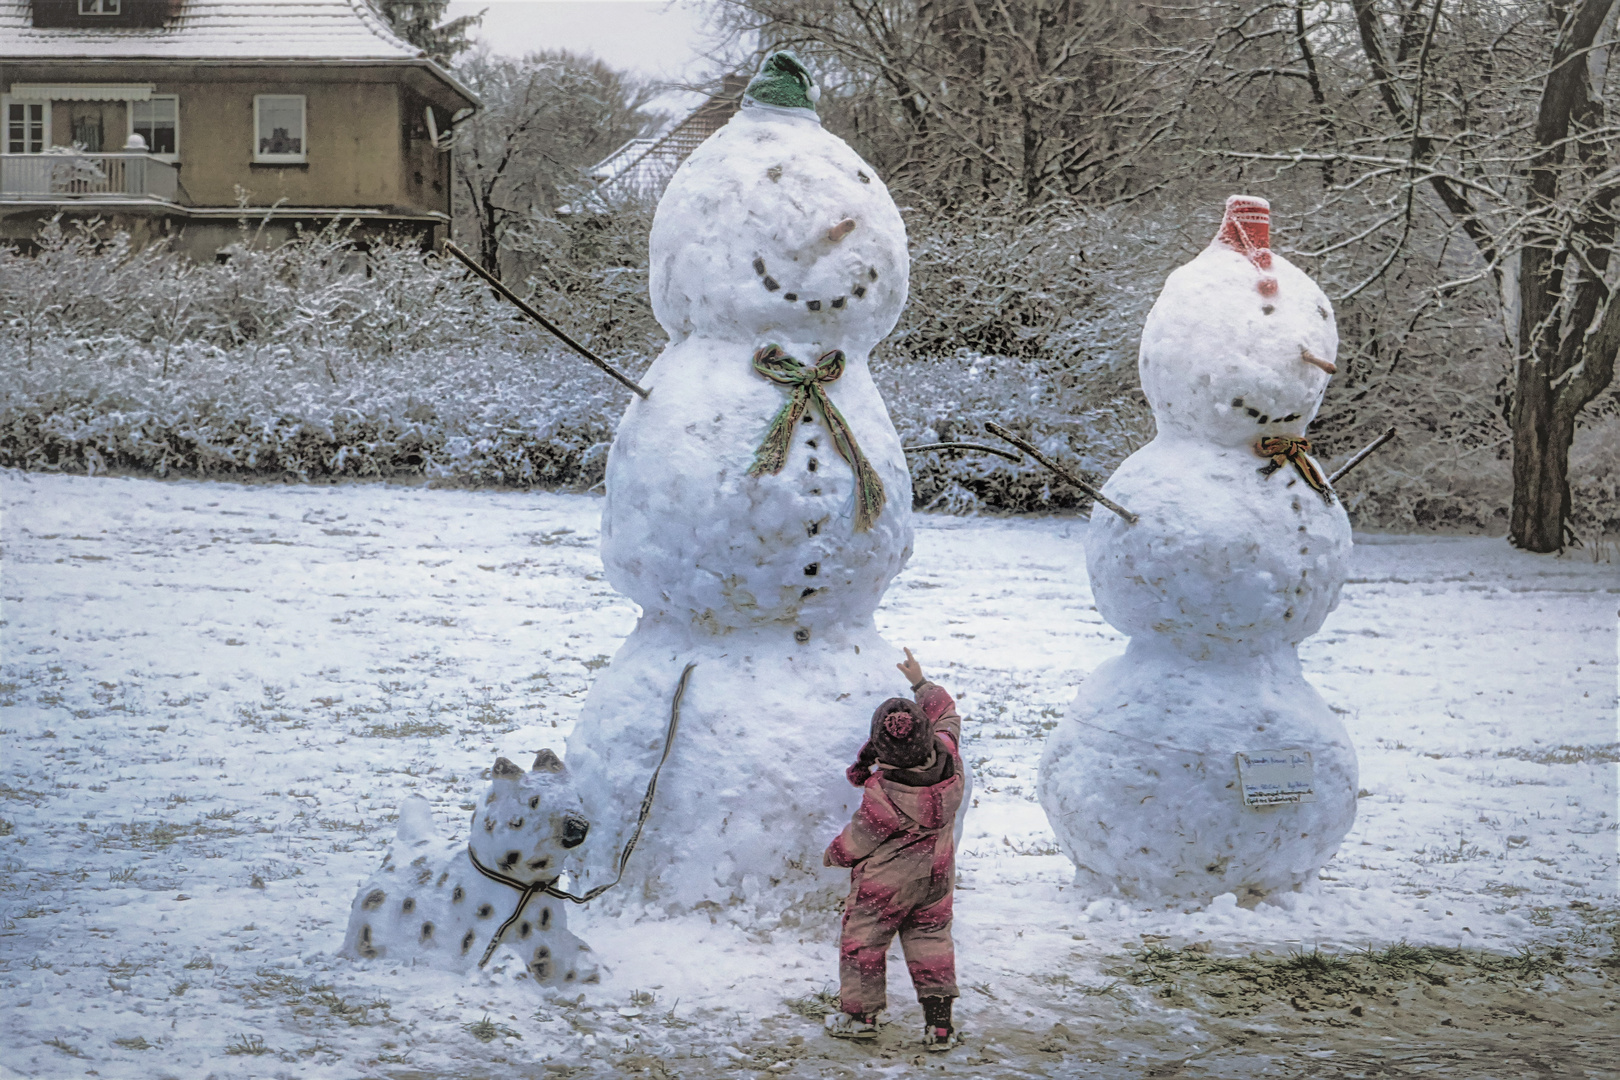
(1227, 570)
(772, 232)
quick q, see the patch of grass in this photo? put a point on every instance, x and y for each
(1402, 957)
(64, 1046)
(815, 1006)
(252, 1045)
(1315, 966)
(1596, 753)
(486, 1030)
(406, 729)
(137, 1042)
(121, 876)
(1463, 852)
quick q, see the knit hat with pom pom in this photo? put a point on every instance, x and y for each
(901, 733)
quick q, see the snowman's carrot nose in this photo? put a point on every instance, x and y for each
(1311, 358)
(841, 230)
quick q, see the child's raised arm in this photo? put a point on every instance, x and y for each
(936, 703)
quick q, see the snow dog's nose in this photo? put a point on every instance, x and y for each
(574, 830)
(841, 230)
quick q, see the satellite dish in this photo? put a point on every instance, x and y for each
(433, 131)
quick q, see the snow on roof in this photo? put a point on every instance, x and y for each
(318, 30)
(642, 167)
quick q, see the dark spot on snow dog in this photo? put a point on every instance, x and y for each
(409, 905)
(510, 859)
(467, 940)
(458, 895)
(427, 931)
(485, 911)
(525, 928)
(374, 899)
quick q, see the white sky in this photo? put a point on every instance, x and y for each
(655, 38)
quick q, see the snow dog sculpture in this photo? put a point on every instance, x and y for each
(758, 504)
(450, 903)
(1201, 762)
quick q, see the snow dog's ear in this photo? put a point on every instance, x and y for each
(505, 770)
(546, 761)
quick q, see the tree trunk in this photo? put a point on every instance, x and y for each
(1541, 439)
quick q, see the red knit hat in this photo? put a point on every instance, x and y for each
(901, 733)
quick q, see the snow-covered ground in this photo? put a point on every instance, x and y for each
(216, 696)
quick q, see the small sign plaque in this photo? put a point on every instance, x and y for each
(1274, 777)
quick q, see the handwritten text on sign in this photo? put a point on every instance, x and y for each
(1272, 777)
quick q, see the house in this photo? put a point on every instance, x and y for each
(641, 168)
(180, 118)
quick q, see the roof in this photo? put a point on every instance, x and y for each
(217, 30)
(222, 31)
(642, 167)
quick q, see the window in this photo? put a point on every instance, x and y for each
(278, 124)
(158, 122)
(99, 7)
(26, 130)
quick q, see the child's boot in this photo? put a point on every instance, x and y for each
(843, 1025)
(938, 1034)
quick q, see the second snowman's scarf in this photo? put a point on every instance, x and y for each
(1291, 450)
(804, 386)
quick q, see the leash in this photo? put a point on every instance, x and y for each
(529, 889)
(526, 891)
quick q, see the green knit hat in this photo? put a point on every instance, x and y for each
(783, 80)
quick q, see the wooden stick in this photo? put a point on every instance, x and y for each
(1064, 474)
(1362, 455)
(975, 447)
(555, 330)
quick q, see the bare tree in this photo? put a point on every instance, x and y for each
(546, 118)
(973, 99)
(1535, 196)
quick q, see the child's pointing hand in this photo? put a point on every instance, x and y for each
(911, 669)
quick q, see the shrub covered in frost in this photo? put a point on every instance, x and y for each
(310, 361)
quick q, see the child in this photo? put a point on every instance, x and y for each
(902, 856)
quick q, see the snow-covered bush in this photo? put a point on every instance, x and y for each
(308, 360)
(312, 360)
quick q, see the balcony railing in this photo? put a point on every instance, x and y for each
(86, 176)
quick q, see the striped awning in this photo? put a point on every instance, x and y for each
(81, 91)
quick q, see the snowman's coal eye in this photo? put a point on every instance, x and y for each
(790, 297)
(771, 284)
(1266, 309)
(759, 266)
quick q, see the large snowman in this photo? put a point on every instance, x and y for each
(1201, 762)
(758, 505)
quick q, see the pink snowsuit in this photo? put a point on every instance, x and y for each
(902, 856)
